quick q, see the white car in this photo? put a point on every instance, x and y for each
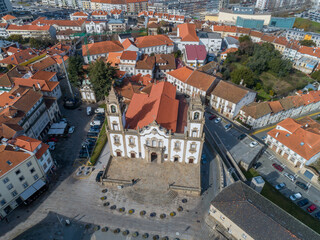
(295, 196)
(253, 144)
(290, 176)
(217, 120)
(71, 129)
(52, 145)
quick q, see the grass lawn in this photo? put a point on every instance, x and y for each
(102, 140)
(307, 25)
(287, 205)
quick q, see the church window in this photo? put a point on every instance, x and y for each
(131, 140)
(154, 143)
(160, 144)
(176, 159)
(115, 126)
(113, 108)
(196, 116)
(193, 146)
(194, 133)
(177, 145)
(116, 139)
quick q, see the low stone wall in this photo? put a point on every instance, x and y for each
(192, 191)
(115, 182)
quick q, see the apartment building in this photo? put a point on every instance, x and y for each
(21, 177)
(35, 31)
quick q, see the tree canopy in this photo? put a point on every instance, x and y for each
(101, 77)
(316, 75)
(243, 74)
(40, 43)
(75, 70)
(308, 43)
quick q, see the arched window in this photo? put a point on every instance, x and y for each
(196, 116)
(113, 108)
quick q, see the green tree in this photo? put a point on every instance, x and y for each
(316, 75)
(101, 76)
(244, 38)
(40, 43)
(16, 38)
(159, 30)
(75, 70)
(244, 74)
(308, 43)
(177, 54)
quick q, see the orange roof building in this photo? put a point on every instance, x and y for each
(100, 49)
(300, 140)
(187, 32)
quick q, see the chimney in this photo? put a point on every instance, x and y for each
(307, 125)
(39, 86)
(34, 87)
(277, 134)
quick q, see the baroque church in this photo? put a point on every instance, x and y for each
(158, 126)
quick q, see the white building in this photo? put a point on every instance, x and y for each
(128, 61)
(156, 135)
(296, 141)
(228, 98)
(191, 81)
(211, 40)
(154, 44)
(95, 26)
(262, 4)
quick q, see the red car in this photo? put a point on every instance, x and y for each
(53, 139)
(311, 208)
(278, 167)
(212, 117)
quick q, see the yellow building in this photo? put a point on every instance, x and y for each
(20, 177)
(86, 5)
(231, 17)
(212, 18)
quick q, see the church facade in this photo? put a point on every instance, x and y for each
(156, 127)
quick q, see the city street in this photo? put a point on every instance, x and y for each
(79, 200)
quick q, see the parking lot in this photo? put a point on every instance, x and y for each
(275, 177)
(239, 148)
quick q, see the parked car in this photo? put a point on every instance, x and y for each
(317, 215)
(53, 139)
(311, 208)
(71, 129)
(95, 123)
(242, 136)
(253, 144)
(302, 202)
(89, 111)
(52, 145)
(302, 185)
(217, 120)
(99, 110)
(264, 137)
(290, 176)
(278, 167)
(212, 117)
(295, 196)
(92, 134)
(99, 175)
(227, 126)
(280, 186)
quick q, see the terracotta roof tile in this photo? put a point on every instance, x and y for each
(129, 55)
(102, 47)
(257, 110)
(27, 143)
(188, 33)
(275, 106)
(146, 62)
(114, 58)
(150, 41)
(8, 17)
(28, 27)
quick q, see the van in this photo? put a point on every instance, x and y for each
(95, 123)
(89, 111)
(99, 110)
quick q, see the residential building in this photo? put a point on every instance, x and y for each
(75, 25)
(211, 40)
(159, 134)
(146, 65)
(20, 178)
(225, 53)
(255, 114)
(164, 63)
(128, 61)
(191, 81)
(9, 19)
(78, 16)
(228, 98)
(264, 220)
(116, 25)
(19, 57)
(5, 7)
(296, 141)
(186, 35)
(195, 55)
(136, 6)
(26, 109)
(262, 4)
(154, 44)
(93, 51)
(99, 15)
(108, 5)
(35, 31)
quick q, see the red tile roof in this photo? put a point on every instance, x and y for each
(79, 14)
(114, 58)
(8, 17)
(312, 51)
(28, 27)
(44, 75)
(181, 74)
(187, 32)
(275, 106)
(19, 57)
(129, 55)
(196, 52)
(222, 28)
(102, 47)
(27, 143)
(302, 137)
(144, 109)
(150, 41)
(229, 50)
